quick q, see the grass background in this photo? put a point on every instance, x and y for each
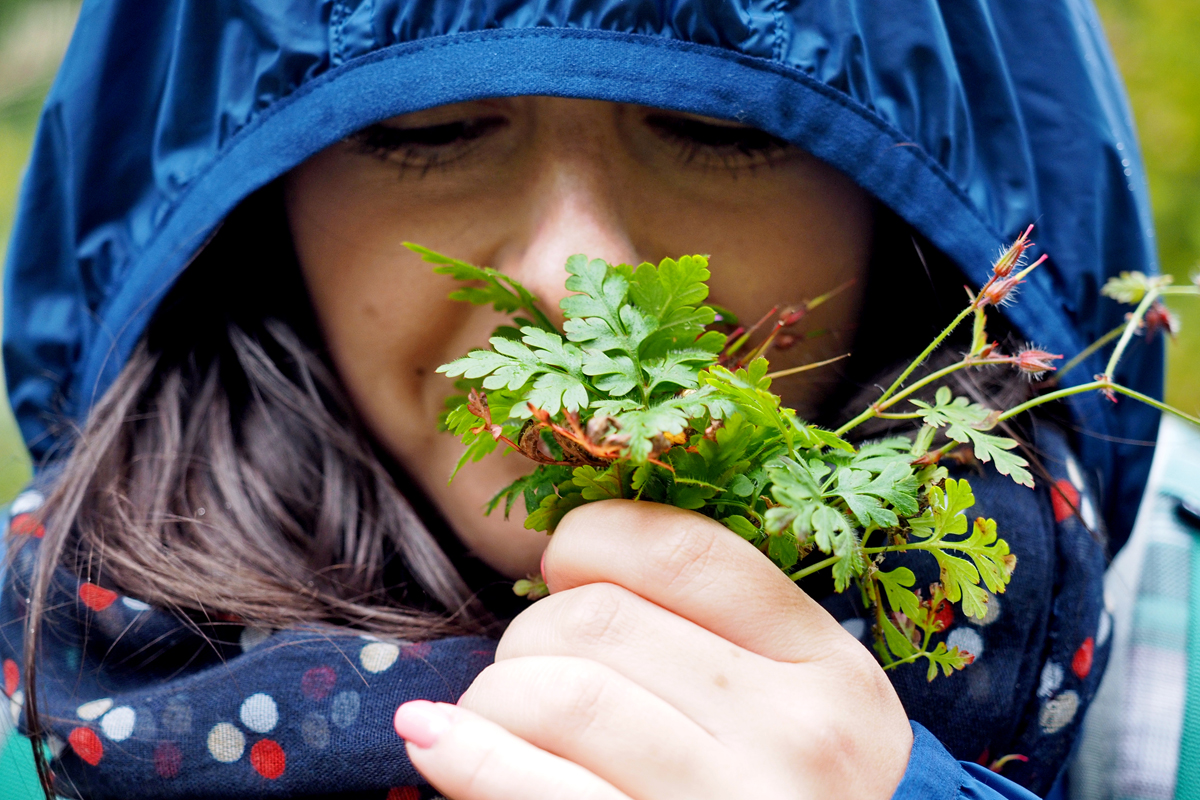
(1156, 42)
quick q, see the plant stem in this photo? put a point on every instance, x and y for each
(937, 376)
(792, 371)
(1178, 290)
(1131, 325)
(1093, 386)
(1087, 351)
(820, 565)
(873, 409)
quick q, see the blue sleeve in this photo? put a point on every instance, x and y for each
(933, 774)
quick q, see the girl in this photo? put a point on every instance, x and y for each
(245, 574)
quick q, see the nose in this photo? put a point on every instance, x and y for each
(575, 210)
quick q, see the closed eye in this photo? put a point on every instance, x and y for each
(427, 146)
(716, 144)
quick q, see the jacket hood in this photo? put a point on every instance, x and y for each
(970, 119)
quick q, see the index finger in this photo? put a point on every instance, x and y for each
(696, 568)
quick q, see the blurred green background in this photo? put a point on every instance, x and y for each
(1157, 43)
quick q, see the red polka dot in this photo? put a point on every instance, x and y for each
(167, 759)
(418, 650)
(12, 676)
(267, 757)
(96, 597)
(945, 615)
(403, 793)
(1081, 664)
(86, 745)
(318, 682)
(27, 525)
(1065, 499)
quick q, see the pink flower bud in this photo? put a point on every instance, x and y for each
(1159, 318)
(1010, 259)
(1035, 363)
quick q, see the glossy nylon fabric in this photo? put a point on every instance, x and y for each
(969, 118)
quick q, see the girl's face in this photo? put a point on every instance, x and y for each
(521, 184)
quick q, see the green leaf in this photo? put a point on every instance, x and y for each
(742, 527)
(995, 449)
(944, 515)
(965, 422)
(783, 549)
(498, 290)
(1128, 287)
(601, 291)
(948, 660)
(741, 486)
(991, 555)
(897, 585)
(599, 484)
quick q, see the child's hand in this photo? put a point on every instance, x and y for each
(672, 660)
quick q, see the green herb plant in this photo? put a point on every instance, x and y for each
(638, 398)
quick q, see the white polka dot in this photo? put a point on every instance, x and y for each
(855, 627)
(1087, 512)
(1052, 678)
(226, 743)
(55, 745)
(966, 639)
(134, 605)
(259, 713)
(1057, 712)
(118, 723)
(1103, 629)
(315, 731)
(251, 637)
(15, 704)
(343, 711)
(991, 611)
(27, 503)
(94, 709)
(177, 716)
(378, 656)
(1074, 474)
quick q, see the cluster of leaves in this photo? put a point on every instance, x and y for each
(636, 398)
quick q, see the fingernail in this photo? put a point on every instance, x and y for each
(542, 566)
(421, 722)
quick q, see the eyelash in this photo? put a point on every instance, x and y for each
(430, 147)
(700, 143)
(719, 145)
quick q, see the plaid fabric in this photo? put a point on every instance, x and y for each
(1130, 749)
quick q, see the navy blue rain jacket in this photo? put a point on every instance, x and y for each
(970, 119)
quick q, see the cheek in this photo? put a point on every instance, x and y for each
(383, 313)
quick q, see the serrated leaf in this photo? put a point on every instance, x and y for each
(498, 290)
(598, 484)
(949, 660)
(897, 585)
(1128, 287)
(601, 291)
(945, 513)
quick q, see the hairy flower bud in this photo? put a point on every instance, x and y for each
(1159, 318)
(1035, 363)
(1010, 259)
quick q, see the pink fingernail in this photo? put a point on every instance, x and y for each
(542, 566)
(421, 722)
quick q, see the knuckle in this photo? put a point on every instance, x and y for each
(592, 615)
(684, 556)
(576, 701)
